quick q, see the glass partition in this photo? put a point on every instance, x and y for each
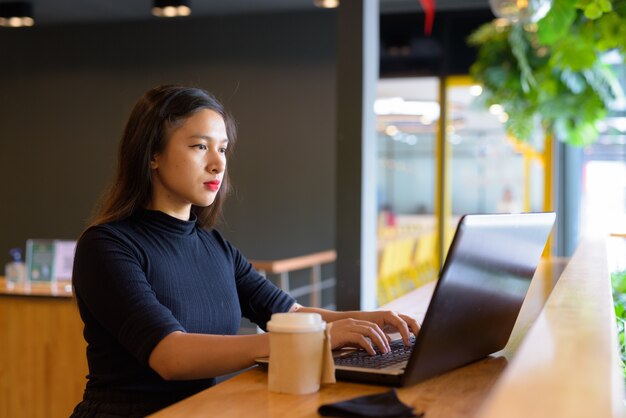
(424, 176)
(407, 112)
(488, 172)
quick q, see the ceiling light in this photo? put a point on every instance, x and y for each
(171, 8)
(391, 130)
(476, 90)
(496, 109)
(399, 106)
(326, 4)
(425, 120)
(16, 14)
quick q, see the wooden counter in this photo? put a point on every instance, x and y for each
(567, 366)
(42, 360)
(546, 370)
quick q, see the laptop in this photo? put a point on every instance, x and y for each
(474, 306)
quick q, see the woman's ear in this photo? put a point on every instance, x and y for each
(154, 164)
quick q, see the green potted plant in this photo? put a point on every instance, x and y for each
(552, 70)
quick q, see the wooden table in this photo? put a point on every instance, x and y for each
(487, 388)
(42, 359)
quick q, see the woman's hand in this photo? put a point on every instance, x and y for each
(390, 321)
(364, 329)
(352, 332)
(367, 330)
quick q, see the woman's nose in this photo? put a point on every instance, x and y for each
(216, 163)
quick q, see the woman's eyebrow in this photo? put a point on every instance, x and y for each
(208, 138)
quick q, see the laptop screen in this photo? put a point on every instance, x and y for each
(482, 285)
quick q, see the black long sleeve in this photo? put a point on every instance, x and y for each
(139, 279)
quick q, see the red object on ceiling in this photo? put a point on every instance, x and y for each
(429, 10)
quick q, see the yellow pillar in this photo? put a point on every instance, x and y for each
(548, 201)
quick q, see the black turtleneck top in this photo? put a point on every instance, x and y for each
(139, 279)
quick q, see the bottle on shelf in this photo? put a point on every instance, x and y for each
(15, 270)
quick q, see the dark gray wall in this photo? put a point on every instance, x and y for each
(65, 93)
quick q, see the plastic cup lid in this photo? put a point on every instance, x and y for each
(296, 322)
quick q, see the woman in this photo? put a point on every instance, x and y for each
(160, 291)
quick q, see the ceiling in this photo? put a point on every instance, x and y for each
(55, 12)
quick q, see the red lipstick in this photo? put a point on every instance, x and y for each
(213, 185)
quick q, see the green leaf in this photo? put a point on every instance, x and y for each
(520, 124)
(557, 22)
(619, 6)
(605, 5)
(604, 83)
(575, 132)
(611, 32)
(581, 4)
(519, 47)
(547, 88)
(593, 11)
(495, 76)
(618, 282)
(574, 53)
(484, 33)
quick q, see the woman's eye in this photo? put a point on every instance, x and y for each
(202, 147)
(223, 150)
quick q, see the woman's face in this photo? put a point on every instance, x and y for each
(190, 169)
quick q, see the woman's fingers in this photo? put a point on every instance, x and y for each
(367, 331)
(412, 323)
(364, 343)
(365, 334)
(405, 325)
(375, 334)
(401, 323)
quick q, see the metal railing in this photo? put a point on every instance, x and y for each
(314, 262)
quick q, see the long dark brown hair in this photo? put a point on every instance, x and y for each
(144, 136)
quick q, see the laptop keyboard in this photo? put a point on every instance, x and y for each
(360, 358)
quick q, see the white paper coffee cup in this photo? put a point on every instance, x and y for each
(296, 352)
